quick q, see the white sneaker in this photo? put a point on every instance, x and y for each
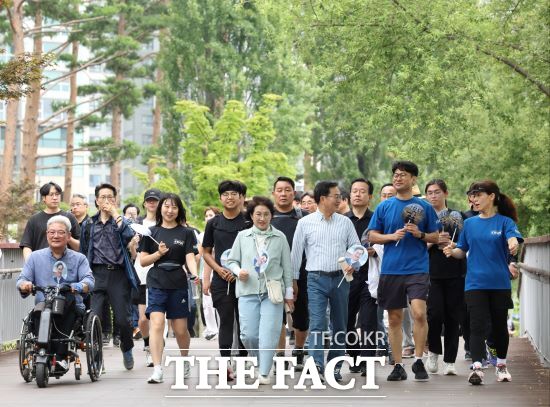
(187, 371)
(265, 380)
(148, 357)
(156, 377)
(502, 374)
(449, 369)
(432, 362)
(476, 377)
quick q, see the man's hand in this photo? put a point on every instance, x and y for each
(206, 287)
(348, 269)
(413, 229)
(243, 275)
(25, 287)
(226, 274)
(399, 234)
(110, 209)
(77, 287)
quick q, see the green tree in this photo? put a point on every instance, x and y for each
(461, 88)
(233, 147)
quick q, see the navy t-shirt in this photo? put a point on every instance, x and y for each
(410, 256)
(486, 242)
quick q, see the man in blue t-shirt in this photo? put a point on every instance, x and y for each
(404, 224)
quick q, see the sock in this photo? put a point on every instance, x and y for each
(145, 341)
(417, 358)
(501, 361)
(158, 368)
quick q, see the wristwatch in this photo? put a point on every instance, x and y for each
(422, 235)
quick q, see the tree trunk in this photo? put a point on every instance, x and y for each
(117, 118)
(12, 108)
(32, 106)
(157, 126)
(68, 190)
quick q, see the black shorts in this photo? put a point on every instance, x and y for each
(140, 298)
(395, 289)
(488, 299)
(300, 316)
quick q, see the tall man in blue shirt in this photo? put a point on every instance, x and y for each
(404, 224)
(325, 236)
(39, 270)
(104, 240)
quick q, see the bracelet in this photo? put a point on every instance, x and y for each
(422, 235)
(119, 218)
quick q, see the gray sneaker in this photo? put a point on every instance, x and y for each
(128, 359)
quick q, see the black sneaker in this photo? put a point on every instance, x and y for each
(354, 369)
(420, 374)
(398, 373)
(299, 353)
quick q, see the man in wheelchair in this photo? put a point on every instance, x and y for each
(52, 266)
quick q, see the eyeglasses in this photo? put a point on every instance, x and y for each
(56, 233)
(106, 198)
(230, 194)
(436, 192)
(260, 215)
(53, 194)
(400, 175)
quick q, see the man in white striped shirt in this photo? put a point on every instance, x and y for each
(325, 236)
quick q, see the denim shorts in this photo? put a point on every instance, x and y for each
(172, 302)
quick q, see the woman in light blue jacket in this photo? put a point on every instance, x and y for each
(260, 256)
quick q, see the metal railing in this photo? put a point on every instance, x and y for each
(534, 295)
(13, 308)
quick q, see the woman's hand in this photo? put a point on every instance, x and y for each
(243, 275)
(163, 249)
(513, 246)
(444, 240)
(289, 305)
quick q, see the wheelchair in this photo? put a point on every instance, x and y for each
(36, 356)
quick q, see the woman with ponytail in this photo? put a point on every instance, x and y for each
(489, 239)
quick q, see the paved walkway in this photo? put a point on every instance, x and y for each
(118, 387)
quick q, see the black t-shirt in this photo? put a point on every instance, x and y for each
(220, 233)
(34, 236)
(167, 272)
(286, 222)
(360, 225)
(446, 267)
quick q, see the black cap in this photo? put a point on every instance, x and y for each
(152, 194)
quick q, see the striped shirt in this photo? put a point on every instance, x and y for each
(324, 241)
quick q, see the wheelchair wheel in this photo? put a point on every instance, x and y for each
(26, 349)
(94, 346)
(42, 375)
